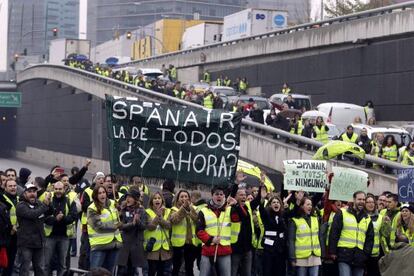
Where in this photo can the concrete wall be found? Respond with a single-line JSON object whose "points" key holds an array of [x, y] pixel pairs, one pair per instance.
{"points": [[271, 153]]}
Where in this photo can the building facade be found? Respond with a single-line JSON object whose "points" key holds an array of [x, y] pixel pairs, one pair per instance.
{"points": [[110, 18]]}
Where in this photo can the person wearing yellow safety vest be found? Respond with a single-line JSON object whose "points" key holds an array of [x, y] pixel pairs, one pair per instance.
{"points": [[242, 232], [206, 77], [103, 230], [136, 181], [208, 100], [157, 242], [86, 200], [389, 151], [376, 218], [376, 145], [243, 84], [404, 230], [173, 73], [9, 196], [134, 222], [183, 218], [59, 229], [178, 91], [219, 81], [349, 136], [296, 125], [389, 222], [320, 131], [351, 239], [214, 231], [408, 158], [304, 243], [273, 239], [286, 89], [227, 81], [111, 186]]}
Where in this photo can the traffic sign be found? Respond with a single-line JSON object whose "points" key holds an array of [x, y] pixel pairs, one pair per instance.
{"points": [[10, 99]]}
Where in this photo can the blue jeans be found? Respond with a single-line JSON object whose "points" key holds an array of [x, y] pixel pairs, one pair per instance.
{"points": [[55, 246], [241, 264], [104, 258], [307, 270], [347, 270], [223, 264]]}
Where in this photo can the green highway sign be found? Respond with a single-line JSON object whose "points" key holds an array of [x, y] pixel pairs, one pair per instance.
{"points": [[10, 99]]}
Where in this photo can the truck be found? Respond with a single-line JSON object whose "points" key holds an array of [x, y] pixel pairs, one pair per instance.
{"points": [[201, 34], [61, 48], [250, 22]]}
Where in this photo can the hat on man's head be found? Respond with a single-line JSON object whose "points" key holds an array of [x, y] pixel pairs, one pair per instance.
{"points": [[30, 186], [98, 175]]}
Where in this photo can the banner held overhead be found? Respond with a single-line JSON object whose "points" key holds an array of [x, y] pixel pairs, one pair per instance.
{"points": [[346, 182], [305, 175], [174, 142]]}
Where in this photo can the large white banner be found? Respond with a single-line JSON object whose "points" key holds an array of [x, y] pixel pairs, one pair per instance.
{"points": [[4, 18]]}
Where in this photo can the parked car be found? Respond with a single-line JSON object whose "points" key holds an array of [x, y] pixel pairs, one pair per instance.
{"points": [[199, 87], [223, 90], [300, 100], [343, 114], [402, 137], [410, 129]]}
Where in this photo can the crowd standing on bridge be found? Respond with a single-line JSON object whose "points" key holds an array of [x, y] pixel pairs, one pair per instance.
{"points": [[240, 230]]}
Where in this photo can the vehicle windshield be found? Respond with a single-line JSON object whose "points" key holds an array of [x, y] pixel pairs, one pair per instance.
{"points": [[262, 104]]}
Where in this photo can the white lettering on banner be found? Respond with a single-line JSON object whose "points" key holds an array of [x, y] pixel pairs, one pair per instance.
{"points": [[135, 109], [163, 131], [193, 142], [406, 185], [306, 175], [121, 156], [174, 120], [155, 115], [226, 117], [346, 182], [191, 118], [115, 109], [120, 133], [183, 134], [146, 155]]}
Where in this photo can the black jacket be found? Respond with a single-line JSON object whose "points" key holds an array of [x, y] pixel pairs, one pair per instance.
{"points": [[275, 230], [257, 116], [30, 218], [74, 179], [5, 225], [351, 256], [59, 205], [365, 143]]}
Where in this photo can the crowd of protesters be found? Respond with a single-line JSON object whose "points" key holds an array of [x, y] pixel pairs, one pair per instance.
{"points": [[240, 230], [380, 145]]}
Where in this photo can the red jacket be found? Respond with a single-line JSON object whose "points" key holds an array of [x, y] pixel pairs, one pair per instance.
{"points": [[208, 249]]}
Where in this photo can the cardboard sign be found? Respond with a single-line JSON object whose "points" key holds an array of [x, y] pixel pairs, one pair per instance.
{"points": [[305, 175], [406, 185], [346, 182]]}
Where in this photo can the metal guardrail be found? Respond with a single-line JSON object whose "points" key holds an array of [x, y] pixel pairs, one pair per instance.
{"points": [[302, 27], [156, 96]]}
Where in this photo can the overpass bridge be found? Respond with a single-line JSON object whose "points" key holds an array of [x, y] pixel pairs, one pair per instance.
{"points": [[62, 121], [349, 57]]}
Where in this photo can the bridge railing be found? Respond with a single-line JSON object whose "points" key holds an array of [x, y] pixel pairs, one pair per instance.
{"points": [[247, 124], [297, 28]]}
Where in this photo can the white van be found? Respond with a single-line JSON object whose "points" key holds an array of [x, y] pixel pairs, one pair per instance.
{"points": [[343, 114], [300, 100], [401, 136]]}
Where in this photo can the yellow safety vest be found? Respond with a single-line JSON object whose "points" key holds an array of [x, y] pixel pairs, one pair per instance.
{"points": [[218, 225], [321, 134], [376, 225], [13, 217], [198, 209], [286, 90], [353, 233], [160, 235], [257, 241], [227, 82], [179, 232], [236, 226], [330, 220], [84, 219], [108, 216], [390, 153], [242, 86], [300, 128], [346, 139], [407, 159], [208, 102], [69, 228], [206, 77], [173, 73], [307, 238]]}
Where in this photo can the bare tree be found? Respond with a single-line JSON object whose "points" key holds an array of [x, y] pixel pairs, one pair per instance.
{"points": [[334, 8]]}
